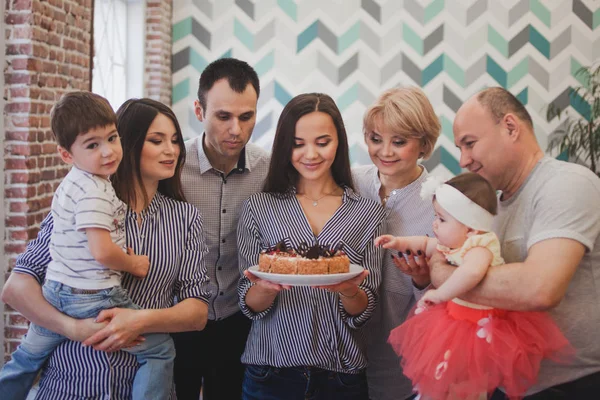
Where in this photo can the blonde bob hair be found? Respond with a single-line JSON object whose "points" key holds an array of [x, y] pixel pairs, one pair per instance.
{"points": [[407, 112]]}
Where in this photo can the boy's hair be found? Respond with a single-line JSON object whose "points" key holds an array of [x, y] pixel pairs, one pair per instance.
{"points": [[408, 112], [477, 189], [78, 112], [238, 74]]}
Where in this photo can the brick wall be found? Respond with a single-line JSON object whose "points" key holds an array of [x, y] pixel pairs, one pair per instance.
{"points": [[47, 54], [157, 63]]}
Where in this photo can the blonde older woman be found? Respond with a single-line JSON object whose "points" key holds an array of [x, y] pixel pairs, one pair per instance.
{"points": [[400, 129]]}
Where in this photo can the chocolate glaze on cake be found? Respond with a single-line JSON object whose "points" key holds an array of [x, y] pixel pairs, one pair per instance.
{"points": [[304, 260]]}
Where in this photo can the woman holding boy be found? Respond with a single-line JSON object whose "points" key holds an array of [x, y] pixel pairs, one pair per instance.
{"points": [[158, 224]]}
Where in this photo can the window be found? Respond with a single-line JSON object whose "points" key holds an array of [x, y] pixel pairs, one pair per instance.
{"points": [[118, 63]]}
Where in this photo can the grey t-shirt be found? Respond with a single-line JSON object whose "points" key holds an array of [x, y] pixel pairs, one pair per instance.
{"points": [[561, 200]]}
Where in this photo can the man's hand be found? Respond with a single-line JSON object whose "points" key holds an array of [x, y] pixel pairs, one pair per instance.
{"points": [[439, 269]]}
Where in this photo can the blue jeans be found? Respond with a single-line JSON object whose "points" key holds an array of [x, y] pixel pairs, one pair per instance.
{"points": [[263, 382], [155, 355]]}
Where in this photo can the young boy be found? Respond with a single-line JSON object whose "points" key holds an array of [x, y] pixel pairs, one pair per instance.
{"points": [[88, 249]]}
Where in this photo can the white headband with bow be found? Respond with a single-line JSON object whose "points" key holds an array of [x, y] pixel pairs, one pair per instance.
{"points": [[457, 204]]}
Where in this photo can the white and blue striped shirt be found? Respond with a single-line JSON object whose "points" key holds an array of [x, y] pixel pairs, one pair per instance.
{"points": [[81, 201], [306, 326], [172, 237], [407, 215]]}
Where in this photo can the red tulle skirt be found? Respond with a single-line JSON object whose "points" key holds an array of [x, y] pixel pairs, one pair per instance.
{"points": [[450, 351]]}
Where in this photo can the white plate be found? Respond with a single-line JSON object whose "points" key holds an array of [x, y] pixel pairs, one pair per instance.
{"points": [[307, 280]]}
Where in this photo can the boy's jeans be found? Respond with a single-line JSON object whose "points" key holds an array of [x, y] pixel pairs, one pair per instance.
{"points": [[155, 355]]}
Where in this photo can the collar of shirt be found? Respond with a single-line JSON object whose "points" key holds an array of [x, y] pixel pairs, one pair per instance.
{"points": [[373, 174], [367, 180], [246, 161], [348, 193], [155, 205], [77, 172]]}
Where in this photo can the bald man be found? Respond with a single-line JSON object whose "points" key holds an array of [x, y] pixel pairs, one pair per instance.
{"points": [[549, 227]]}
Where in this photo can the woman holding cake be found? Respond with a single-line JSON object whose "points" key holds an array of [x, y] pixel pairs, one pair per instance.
{"points": [[400, 129], [306, 341]]}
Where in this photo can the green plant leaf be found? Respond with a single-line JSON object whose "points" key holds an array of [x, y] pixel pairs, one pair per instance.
{"points": [[579, 135]]}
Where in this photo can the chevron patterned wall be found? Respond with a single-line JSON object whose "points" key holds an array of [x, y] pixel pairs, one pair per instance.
{"points": [[354, 49]]}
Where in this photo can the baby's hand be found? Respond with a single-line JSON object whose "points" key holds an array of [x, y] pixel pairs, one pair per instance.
{"points": [[386, 241], [430, 298], [139, 264]]}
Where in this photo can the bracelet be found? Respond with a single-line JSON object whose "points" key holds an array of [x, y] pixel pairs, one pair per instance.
{"points": [[351, 296]]}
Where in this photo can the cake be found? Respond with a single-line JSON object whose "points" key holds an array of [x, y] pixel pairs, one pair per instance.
{"points": [[315, 260]]}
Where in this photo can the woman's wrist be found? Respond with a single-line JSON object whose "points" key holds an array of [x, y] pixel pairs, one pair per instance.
{"points": [[144, 321], [350, 295], [421, 282], [259, 298], [264, 292], [78, 330], [70, 329]]}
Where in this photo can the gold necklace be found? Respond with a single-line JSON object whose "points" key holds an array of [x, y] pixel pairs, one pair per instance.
{"points": [[315, 202], [386, 197]]}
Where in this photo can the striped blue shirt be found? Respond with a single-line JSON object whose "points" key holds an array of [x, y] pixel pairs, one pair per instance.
{"points": [[407, 215], [172, 237], [306, 326]]}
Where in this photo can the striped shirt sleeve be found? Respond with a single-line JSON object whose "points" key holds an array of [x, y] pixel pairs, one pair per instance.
{"points": [[249, 248], [372, 257], [193, 279], [34, 261]]}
